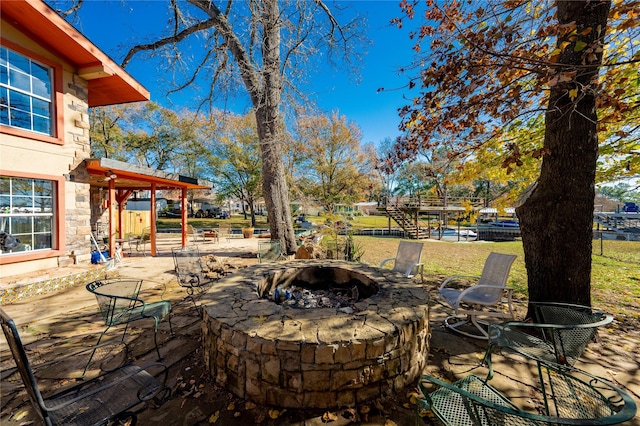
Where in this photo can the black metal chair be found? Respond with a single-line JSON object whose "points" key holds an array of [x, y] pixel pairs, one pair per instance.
{"points": [[100, 400], [119, 303], [190, 272], [559, 337]]}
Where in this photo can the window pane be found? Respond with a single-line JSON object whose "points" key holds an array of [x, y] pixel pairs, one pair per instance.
{"points": [[19, 100], [19, 80], [4, 115], [41, 107], [3, 56], [21, 225], [42, 188], [22, 203], [43, 241], [5, 184], [41, 81], [22, 187], [42, 224], [20, 119], [4, 75], [41, 124], [4, 96], [43, 204], [19, 62]]}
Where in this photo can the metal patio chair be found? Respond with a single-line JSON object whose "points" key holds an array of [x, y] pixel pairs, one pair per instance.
{"points": [[269, 251], [566, 397], [559, 336], [100, 400], [191, 274], [119, 303], [484, 299], [407, 260]]}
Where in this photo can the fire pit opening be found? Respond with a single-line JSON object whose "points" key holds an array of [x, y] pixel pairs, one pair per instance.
{"points": [[317, 287]]}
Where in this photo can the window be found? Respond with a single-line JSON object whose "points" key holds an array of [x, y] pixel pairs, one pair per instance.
{"points": [[25, 93], [27, 213]]}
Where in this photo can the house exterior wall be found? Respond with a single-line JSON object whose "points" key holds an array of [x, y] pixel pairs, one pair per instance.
{"points": [[58, 158]]}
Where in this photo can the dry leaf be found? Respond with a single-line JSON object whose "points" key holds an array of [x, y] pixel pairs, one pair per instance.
{"points": [[274, 414], [390, 422], [329, 417], [231, 407], [249, 405], [214, 417]]}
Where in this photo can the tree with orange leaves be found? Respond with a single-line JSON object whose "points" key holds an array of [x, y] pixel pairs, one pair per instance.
{"points": [[489, 68]]}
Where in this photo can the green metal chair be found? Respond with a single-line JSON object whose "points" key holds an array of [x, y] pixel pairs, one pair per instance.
{"points": [[101, 400], [566, 396], [269, 251], [559, 336], [119, 303]]}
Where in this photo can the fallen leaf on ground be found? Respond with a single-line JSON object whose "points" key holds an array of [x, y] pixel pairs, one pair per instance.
{"points": [[329, 417], [274, 414], [214, 417]]}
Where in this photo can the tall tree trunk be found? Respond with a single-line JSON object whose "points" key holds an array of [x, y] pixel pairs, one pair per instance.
{"points": [[557, 219], [274, 184]]}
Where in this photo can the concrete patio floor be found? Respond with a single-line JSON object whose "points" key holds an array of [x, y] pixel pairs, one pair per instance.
{"points": [[68, 320]]}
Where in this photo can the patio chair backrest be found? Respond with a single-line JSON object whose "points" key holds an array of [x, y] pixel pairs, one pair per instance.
{"points": [[582, 324], [116, 298], [408, 255], [269, 251], [22, 363], [494, 273], [188, 265]]}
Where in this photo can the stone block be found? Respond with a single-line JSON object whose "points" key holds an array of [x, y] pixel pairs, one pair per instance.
{"points": [[308, 354], [367, 393], [324, 354], [375, 348], [253, 346], [284, 398], [292, 380], [346, 379], [319, 399], [346, 399], [342, 354], [290, 361], [288, 346], [269, 348], [239, 340], [358, 350], [316, 380], [271, 370]]}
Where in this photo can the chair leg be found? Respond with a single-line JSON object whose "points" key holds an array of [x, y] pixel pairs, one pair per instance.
{"points": [[455, 326], [86, 367], [155, 336]]}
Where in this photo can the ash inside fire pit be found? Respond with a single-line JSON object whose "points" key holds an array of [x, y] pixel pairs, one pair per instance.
{"points": [[317, 287]]}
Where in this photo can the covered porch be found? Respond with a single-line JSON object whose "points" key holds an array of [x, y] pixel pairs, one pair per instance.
{"points": [[120, 180]]}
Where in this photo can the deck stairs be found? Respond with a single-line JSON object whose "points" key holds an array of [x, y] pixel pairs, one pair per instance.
{"points": [[620, 223], [413, 231]]}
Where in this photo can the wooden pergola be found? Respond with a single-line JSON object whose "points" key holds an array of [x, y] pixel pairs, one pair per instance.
{"points": [[121, 179]]}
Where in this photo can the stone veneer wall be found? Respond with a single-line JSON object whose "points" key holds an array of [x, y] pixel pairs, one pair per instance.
{"points": [[315, 358], [78, 208]]}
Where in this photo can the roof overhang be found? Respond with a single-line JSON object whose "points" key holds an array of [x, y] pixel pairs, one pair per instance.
{"points": [[135, 178], [109, 84]]}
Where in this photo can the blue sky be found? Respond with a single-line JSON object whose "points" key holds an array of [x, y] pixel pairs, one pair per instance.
{"points": [[114, 26]]}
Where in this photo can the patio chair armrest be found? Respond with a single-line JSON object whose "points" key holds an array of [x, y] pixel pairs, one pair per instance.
{"points": [[385, 261], [456, 277], [480, 287]]}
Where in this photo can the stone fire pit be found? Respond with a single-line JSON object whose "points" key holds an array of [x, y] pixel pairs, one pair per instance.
{"points": [[285, 355]]}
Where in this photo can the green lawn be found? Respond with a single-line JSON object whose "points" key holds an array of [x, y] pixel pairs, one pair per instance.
{"points": [[615, 276]]}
